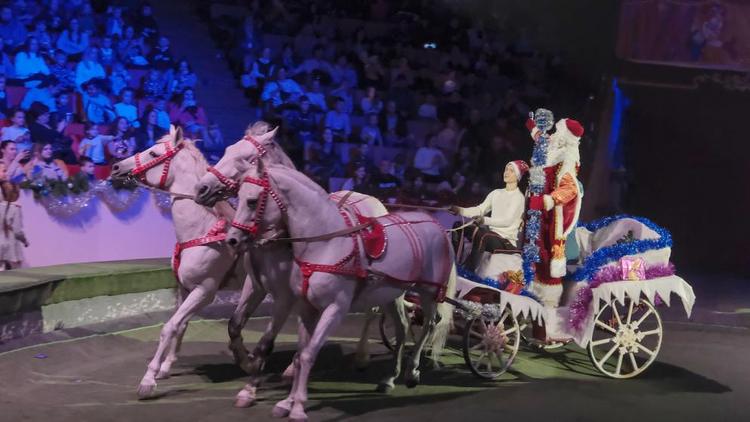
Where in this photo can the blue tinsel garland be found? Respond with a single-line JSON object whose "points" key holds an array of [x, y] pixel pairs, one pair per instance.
{"points": [[471, 275], [612, 253], [533, 220]]}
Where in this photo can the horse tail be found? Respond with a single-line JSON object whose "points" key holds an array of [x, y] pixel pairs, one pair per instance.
{"points": [[445, 313]]}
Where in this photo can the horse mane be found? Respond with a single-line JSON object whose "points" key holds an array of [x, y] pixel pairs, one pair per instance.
{"points": [[189, 146], [299, 177], [262, 127]]}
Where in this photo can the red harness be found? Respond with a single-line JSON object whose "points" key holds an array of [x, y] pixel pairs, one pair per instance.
{"points": [[217, 233], [141, 168], [231, 185], [265, 183]]}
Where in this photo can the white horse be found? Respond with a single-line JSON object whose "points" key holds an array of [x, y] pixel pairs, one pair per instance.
{"points": [[338, 269], [222, 181], [205, 264]]}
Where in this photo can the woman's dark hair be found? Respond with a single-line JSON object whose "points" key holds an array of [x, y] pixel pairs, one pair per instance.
{"points": [[37, 109], [144, 117], [114, 128], [27, 44], [5, 144]]}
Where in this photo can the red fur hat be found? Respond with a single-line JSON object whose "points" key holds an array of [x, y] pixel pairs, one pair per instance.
{"points": [[574, 127], [520, 168]]}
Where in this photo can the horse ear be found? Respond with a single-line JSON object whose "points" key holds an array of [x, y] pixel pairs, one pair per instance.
{"points": [[178, 135]]}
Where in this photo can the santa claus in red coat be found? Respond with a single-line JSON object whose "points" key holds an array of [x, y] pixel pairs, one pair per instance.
{"points": [[554, 202]]}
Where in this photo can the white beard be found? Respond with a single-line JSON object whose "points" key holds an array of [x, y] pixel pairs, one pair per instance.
{"points": [[562, 150]]}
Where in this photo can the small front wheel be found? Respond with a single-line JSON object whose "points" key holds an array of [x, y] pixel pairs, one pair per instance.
{"points": [[490, 346]]}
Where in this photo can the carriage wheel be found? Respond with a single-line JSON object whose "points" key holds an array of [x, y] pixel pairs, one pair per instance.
{"points": [[626, 338], [388, 331], [490, 346]]}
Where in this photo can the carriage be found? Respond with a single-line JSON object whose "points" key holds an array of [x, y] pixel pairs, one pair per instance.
{"points": [[618, 275]]}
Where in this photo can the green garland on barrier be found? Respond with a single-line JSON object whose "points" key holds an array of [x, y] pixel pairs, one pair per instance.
{"points": [[67, 198]]}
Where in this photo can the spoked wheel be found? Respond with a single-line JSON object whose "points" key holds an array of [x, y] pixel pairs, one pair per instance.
{"points": [[491, 345], [626, 338], [388, 329]]}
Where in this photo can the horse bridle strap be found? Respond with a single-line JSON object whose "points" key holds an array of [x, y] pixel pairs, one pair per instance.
{"points": [[265, 183], [231, 185], [166, 158]]}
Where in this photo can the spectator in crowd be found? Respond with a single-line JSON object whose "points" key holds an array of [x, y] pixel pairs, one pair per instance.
{"points": [[428, 109], [73, 41], [86, 18], [162, 115], [161, 56], [384, 182], [43, 132], [315, 66], [115, 25], [212, 145], [430, 161], [126, 107], [339, 122], [145, 23], [44, 166], [448, 137], [149, 131], [135, 58], [30, 65], [184, 77], [93, 145], [259, 71], [154, 85], [42, 36], [359, 182], [126, 42], [303, 122], [12, 237], [44, 93], [97, 106], [12, 31], [499, 153], [119, 78], [287, 57], [403, 70], [281, 92], [323, 162], [3, 98], [89, 68], [316, 97], [373, 72], [370, 132], [371, 102], [343, 92], [61, 71], [88, 170], [7, 67], [107, 55], [122, 144], [14, 160], [392, 124], [63, 108], [189, 114], [343, 71], [17, 131]]}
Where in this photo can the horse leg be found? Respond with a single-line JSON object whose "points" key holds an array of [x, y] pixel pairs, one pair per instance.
{"points": [[362, 357], [246, 397], [304, 331], [251, 297], [398, 314], [329, 319], [196, 300], [176, 343], [429, 310]]}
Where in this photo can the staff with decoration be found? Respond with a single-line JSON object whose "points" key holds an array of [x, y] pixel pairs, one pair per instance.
{"points": [[554, 203]]}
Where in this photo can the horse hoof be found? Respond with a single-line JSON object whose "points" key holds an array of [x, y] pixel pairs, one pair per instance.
{"points": [[384, 388], [146, 391], [279, 412], [243, 402], [162, 375]]}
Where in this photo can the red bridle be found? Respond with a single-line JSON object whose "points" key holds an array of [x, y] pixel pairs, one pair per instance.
{"points": [[231, 185], [141, 168], [265, 183]]}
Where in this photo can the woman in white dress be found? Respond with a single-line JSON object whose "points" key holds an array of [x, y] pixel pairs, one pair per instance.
{"points": [[12, 237]]}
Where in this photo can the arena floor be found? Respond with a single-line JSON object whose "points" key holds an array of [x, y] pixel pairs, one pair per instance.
{"points": [[701, 373]]}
